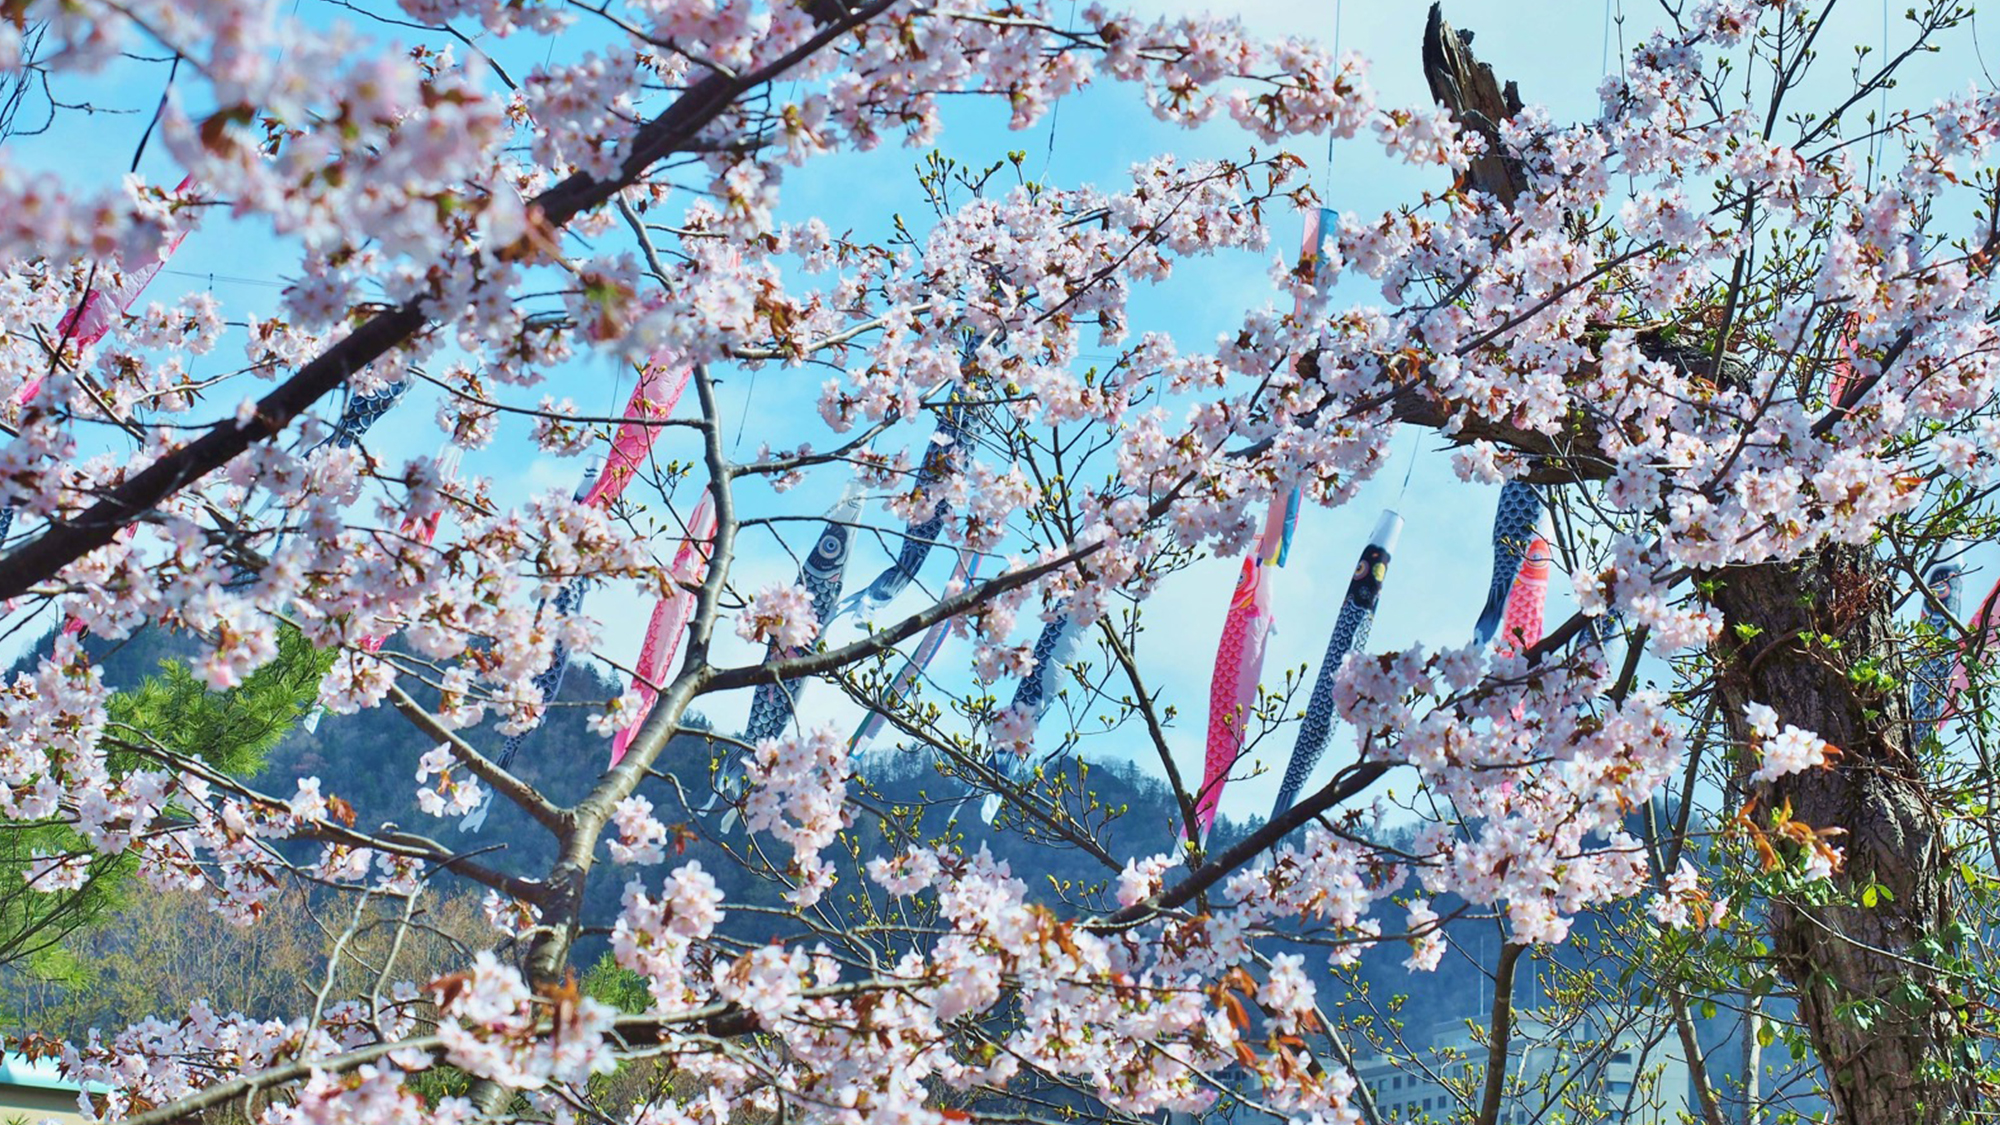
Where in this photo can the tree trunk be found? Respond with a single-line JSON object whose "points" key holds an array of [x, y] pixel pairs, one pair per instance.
{"points": [[1867, 990], [1864, 977]]}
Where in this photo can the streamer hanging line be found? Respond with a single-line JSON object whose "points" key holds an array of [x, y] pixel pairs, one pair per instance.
{"points": [[920, 659], [1350, 629], [670, 618], [1239, 656], [1931, 687], [1515, 523], [1055, 650], [1521, 625], [362, 412]]}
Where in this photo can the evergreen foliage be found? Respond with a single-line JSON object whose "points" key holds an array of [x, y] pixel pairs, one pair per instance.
{"points": [[170, 710]]}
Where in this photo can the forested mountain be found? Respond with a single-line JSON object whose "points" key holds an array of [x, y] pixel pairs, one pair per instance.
{"points": [[117, 975], [369, 760]]}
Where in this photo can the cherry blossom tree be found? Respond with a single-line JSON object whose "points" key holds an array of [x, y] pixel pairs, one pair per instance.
{"points": [[1749, 364]]}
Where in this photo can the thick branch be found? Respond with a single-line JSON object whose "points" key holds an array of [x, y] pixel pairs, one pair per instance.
{"points": [[485, 769], [1467, 87], [1349, 782], [1501, 1031], [66, 541], [1571, 456]]}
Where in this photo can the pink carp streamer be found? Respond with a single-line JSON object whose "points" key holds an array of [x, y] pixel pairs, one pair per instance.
{"points": [[87, 323], [670, 618], [1239, 661], [1521, 625], [920, 658], [653, 401], [423, 529], [1843, 365], [1981, 636]]}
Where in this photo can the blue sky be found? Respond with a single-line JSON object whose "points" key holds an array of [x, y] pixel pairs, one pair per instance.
{"points": [[1558, 52]]}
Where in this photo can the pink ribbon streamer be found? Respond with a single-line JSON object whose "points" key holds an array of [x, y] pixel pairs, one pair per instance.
{"points": [[670, 619], [653, 400]]}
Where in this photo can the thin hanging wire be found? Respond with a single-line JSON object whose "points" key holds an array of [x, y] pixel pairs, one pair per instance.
{"points": [[1604, 61], [1623, 57], [749, 396], [1326, 172], [1978, 52], [1055, 115], [617, 391], [1882, 110]]}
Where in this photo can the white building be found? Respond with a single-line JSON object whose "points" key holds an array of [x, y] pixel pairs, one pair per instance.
{"points": [[32, 1090], [1630, 1072]]}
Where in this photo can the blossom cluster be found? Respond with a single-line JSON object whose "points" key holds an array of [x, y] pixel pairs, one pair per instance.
{"points": [[1581, 316]]}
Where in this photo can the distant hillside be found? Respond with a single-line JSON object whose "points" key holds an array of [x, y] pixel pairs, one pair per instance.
{"points": [[370, 759]]}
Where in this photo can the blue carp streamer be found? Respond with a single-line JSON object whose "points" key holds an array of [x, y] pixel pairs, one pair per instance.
{"points": [[822, 574], [944, 456], [1350, 629], [1054, 650], [1514, 526], [364, 411], [1931, 687]]}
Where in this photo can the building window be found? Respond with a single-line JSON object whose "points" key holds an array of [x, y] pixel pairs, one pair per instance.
{"points": [[1622, 1058]]}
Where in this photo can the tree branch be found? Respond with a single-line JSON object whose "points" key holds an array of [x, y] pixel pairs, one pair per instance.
{"points": [[66, 541]]}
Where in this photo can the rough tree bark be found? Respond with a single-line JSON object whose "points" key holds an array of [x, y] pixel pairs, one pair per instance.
{"points": [[1869, 992]]}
